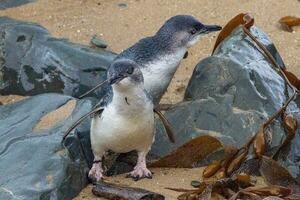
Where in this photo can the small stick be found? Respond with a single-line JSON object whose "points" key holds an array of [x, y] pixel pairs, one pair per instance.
{"points": [[113, 191]]}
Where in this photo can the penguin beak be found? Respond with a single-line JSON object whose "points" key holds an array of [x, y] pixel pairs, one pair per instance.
{"points": [[116, 79], [210, 28]]}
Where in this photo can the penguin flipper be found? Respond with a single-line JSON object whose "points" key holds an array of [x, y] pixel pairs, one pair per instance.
{"points": [[167, 125], [186, 55], [98, 110], [93, 89]]}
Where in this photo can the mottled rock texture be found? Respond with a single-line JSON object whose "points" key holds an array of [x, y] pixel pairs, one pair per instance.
{"points": [[33, 62]]}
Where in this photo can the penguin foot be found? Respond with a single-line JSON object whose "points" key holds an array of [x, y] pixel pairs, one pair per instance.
{"points": [[139, 173], [96, 173]]}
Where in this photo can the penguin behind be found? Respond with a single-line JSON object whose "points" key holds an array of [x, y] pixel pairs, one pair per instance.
{"points": [[126, 122], [159, 56]]}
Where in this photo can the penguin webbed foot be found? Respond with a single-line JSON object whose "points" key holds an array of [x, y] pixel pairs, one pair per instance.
{"points": [[96, 173], [139, 173]]}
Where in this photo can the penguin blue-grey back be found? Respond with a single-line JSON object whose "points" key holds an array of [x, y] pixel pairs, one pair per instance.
{"points": [[159, 56]]}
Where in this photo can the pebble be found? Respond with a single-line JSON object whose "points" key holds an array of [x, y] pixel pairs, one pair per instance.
{"points": [[98, 42], [122, 5], [195, 184]]}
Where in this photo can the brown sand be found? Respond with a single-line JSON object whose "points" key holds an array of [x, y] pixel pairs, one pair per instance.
{"points": [[49, 120], [10, 99], [162, 178], [79, 20], [121, 27], [56, 116]]}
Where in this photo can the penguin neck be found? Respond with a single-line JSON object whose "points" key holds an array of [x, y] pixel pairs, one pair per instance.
{"points": [[133, 96], [165, 44], [158, 73], [168, 63], [168, 53]]}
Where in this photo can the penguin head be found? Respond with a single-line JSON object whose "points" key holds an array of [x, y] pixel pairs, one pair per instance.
{"points": [[124, 74], [184, 31]]}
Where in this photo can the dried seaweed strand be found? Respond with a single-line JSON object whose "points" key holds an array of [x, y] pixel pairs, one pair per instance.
{"points": [[245, 149], [269, 56], [272, 60]]}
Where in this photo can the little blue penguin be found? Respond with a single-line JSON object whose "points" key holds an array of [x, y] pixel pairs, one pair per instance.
{"points": [[159, 56], [126, 121]]}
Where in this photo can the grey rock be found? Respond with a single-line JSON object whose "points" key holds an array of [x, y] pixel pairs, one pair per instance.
{"points": [[13, 3], [211, 116], [230, 94], [33, 163], [120, 163], [98, 42], [122, 5], [195, 184], [33, 62]]}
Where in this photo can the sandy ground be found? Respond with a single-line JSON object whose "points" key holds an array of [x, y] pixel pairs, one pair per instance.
{"points": [[4, 100], [162, 178], [123, 25], [56, 116]]}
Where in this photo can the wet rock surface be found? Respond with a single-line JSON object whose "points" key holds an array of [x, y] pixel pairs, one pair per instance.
{"points": [[33, 62], [229, 96], [13, 3], [34, 164]]}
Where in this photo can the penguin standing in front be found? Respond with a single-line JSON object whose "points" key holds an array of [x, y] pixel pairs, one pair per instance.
{"points": [[125, 121]]}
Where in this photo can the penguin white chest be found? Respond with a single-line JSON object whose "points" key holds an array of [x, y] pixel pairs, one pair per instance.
{"points": [[158, 74], [124, 126]]}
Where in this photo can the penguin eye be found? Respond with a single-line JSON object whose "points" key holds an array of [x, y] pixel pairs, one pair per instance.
{"points": [[193, 31], [130, 70]]}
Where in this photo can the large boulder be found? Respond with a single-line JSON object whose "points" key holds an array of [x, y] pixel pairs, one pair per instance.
{"points": [[13, 3], [230, 94], [33, 162], [33, 62]]}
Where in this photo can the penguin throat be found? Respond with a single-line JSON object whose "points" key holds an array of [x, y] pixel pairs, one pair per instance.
{"points": [[126, 100], [158, 74], [132, 96]]}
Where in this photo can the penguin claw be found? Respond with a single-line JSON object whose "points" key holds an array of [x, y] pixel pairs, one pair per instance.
{"points": [[96, 173], [137, 178], [93, 180], [139, 173]]}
